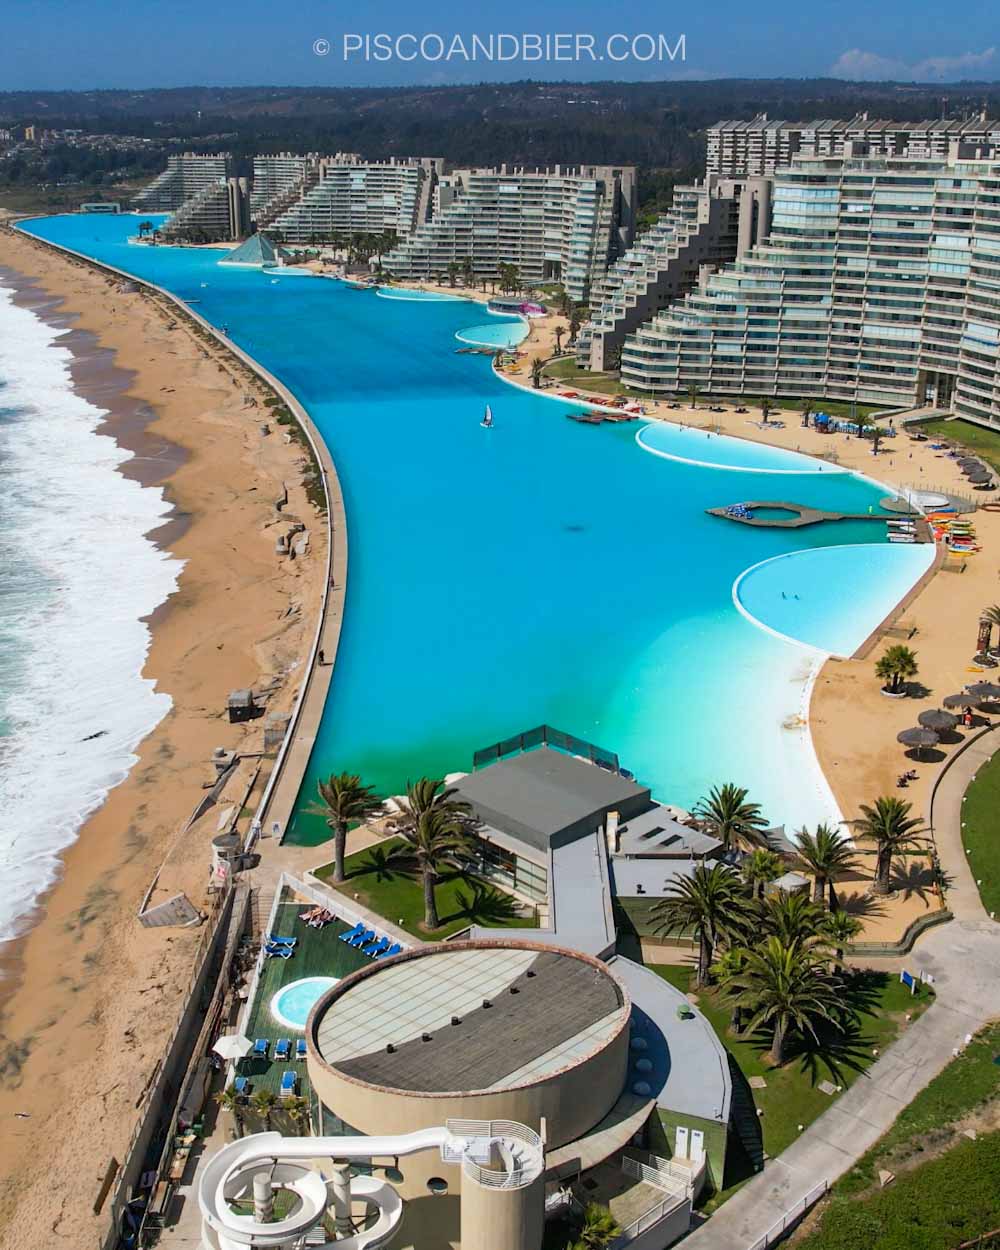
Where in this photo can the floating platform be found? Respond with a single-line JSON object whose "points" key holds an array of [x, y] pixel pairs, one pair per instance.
{"points": [[799, 515]]}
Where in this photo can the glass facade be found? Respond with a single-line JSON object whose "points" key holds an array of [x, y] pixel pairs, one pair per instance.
{"points": [[879, 282]]}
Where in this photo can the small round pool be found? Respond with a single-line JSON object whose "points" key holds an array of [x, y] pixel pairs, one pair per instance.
{"points": [[293, 1002]]}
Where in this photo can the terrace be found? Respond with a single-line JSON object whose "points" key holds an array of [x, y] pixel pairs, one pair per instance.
{"points": [[318, 953]]}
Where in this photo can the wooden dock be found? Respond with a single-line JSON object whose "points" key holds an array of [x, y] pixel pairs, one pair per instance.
{"points": [[800, 515]]}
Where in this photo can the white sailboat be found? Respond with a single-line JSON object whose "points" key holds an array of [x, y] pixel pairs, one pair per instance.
{"points": [[487, 421]]}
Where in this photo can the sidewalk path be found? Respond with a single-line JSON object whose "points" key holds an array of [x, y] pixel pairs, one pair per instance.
{"points": [[963, 958]]}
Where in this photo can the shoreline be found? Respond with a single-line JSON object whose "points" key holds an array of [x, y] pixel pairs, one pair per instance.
{"points": [[88, 978]]}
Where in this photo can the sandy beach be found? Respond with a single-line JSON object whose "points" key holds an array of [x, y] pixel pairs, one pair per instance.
{"points": [[854, 726], [88, 995]]}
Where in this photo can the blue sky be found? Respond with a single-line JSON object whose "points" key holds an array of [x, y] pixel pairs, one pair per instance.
{"points": [[99, 43]]}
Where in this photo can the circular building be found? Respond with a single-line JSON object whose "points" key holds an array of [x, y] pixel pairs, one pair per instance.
{"points": [[469, 1031]]}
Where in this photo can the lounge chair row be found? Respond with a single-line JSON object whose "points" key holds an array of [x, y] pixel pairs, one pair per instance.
{"points": [[282, 1049], [289, 1084], [366, 941]]}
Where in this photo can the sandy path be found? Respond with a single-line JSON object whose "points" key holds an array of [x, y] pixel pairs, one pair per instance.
{"points": [[94, 994]]}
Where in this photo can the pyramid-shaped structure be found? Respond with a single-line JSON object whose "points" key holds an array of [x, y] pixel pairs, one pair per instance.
{"points": [[257, 250]]}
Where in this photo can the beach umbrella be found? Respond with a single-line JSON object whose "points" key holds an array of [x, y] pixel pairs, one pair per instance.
{"points": [[919, 738], [959, 700], [232, 1046], [937, 720], [984, 690]]}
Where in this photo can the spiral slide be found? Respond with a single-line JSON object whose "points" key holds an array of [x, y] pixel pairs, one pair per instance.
{"points": [[249, 1171]]}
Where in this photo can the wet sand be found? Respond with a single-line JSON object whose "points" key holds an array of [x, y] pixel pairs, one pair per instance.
{"points": [[88, 995]]}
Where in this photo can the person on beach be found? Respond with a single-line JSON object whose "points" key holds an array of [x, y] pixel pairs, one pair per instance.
{"points": [[322, 656]]}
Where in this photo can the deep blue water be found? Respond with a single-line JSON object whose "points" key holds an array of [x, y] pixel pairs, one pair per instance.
{"points": [[541, 571]]}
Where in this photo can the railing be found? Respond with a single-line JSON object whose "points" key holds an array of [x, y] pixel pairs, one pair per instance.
{"points": [[646, 1221], [545, 735], [663, 1175], [521, 1171], [905, 943], [791, 1216]]}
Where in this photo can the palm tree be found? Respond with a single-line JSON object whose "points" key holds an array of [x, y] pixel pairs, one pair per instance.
{"points": [[598, 1230], [559, 331], [234, 1103], [840, 929], [889, 825], [536, 372], [297, 1109], [344, 799], [453, 271], [765, 409], [468, 271], [784, 988], [991, 614], [792, 918], [263, 1103], [728, 816], [145, 227], [729, 965], [827, 854], [806, 411], [711, 901], [868, 425], [897, 664], [759, 869], [435, 828], [575, 323], [693, 393]]}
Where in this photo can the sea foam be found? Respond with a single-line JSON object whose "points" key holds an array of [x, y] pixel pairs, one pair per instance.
{"points": [[77, 574]]}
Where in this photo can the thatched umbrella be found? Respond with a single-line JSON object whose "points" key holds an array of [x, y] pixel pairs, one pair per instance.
{"points": [[959, 700], [937, 720], [984, 690], [919, 738]]}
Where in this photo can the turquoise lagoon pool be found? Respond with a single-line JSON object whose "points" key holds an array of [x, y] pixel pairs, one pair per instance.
{"points": [[541, 571], [413, 294], [714, 451], [504, 333]]}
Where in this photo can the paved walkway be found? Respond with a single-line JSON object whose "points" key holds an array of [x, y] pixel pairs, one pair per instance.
{"points": [[963, 958]]}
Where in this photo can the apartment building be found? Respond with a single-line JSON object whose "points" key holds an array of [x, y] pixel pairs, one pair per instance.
{"points": [[763, 145], [186, 175], [561, 224], [309, 199], [709, 223], [880, 282]]}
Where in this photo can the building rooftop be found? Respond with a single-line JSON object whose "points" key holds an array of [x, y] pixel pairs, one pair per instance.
{"points": [[542, 794], [469, 1017]]}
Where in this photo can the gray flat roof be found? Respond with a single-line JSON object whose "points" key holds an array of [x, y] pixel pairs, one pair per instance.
{"points": [[471, 1018], [539, 793], [657, 833], [690, 1066]]}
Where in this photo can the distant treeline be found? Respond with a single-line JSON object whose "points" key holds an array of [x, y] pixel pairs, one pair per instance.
{"points": [[658, 126]]}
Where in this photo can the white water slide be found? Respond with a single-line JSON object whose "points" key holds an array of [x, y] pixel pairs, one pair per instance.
{"points": [[249, 1171]]}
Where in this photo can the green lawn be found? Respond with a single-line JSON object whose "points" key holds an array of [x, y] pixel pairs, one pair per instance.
{"points": [[967, 1083], [937, 1206], [981, 832], [568, 371], [319, 952], [792, 1096], [985, 443], [398, 896]]}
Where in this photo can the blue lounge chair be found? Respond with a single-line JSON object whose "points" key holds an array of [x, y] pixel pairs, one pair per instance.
{"points": [[274, 940], [351, 934], [278, 952], [242, 1085], [289, 1082], [363, 938], [260, 1048], [374, 949], [282, 1049], [394, 949], [300, 1048]]}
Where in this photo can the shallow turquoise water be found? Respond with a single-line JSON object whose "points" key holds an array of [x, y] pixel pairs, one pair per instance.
{"points": [[690, 446], [293, 1004], [542, 571], [411, 293], [497, 334]]}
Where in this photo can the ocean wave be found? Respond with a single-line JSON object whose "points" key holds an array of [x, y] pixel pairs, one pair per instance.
{"points": [[77, 575]]}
